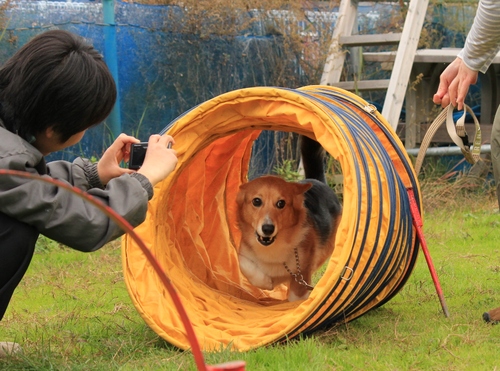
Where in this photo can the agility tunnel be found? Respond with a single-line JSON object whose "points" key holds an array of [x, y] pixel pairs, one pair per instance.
{"points": [[191, 225]]}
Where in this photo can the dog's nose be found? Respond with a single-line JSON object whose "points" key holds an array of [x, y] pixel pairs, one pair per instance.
{"points": [[267, 229]]}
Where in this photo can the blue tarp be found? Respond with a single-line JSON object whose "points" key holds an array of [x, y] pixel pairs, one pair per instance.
{"points": [[163, 70]]}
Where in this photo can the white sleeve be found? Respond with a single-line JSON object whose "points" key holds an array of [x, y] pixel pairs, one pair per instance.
{"points": [[483, 39]]}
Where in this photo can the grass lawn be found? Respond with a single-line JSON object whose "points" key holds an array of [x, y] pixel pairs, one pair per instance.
{"points": [[72, 310]]}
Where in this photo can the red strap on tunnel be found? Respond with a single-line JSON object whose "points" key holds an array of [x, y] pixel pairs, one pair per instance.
{"points": [[418, 224]]}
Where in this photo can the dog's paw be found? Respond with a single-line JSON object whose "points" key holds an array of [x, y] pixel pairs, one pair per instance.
{"points": [[261, 280], [254, 275], [298, 292], [267, 283]]}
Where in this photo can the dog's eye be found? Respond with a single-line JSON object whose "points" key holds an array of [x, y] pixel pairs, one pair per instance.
{"points": [[280, 204], [257, 202]]}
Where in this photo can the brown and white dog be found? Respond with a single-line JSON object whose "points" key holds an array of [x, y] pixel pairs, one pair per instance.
{"points": [[288, 229]]}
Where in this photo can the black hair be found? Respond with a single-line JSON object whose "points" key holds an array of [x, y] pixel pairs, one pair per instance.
{"points": [[55, 80]]}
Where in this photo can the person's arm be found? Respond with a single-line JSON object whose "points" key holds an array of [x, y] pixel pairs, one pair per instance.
{"points": [[481, 46], [483, 39], [67, 218], [61, 215]]}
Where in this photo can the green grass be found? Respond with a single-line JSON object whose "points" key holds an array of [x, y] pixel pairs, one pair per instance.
{"points": [[72, 312]]}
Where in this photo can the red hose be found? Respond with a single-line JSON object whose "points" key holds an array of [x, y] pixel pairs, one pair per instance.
{"points": [[127, 227]]}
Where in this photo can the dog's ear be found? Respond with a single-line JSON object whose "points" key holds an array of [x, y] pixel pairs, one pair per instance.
{"points": [[240, 197], [302, 187]]}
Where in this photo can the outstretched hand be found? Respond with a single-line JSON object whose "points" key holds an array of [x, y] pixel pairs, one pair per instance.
{"points": [[454, 84]]}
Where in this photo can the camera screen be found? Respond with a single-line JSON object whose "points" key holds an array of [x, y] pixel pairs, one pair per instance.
{"points": [[137, 154]]}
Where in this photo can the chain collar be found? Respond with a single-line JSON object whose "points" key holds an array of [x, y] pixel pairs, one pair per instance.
{"points": [[299, 278]]}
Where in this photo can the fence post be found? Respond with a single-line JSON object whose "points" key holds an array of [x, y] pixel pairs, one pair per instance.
{"points": [[114, 119]]}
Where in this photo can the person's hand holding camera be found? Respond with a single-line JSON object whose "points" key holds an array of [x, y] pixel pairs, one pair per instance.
{"points": [[160, 159], [108, 166]]}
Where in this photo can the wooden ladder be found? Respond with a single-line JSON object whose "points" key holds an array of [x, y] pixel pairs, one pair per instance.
{"points": [[407, 42]]}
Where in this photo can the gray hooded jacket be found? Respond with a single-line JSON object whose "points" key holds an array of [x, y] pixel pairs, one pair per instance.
{"points": [[58, 213]]}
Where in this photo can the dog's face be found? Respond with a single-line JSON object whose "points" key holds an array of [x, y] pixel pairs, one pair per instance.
{"points": [[269, 207]]}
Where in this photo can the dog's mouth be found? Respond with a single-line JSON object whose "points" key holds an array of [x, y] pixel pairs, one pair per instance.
{"points": [[266, 241]]}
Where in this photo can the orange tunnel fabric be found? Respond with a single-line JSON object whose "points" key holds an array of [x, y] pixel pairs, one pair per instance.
{"points": [[191, 229]]}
